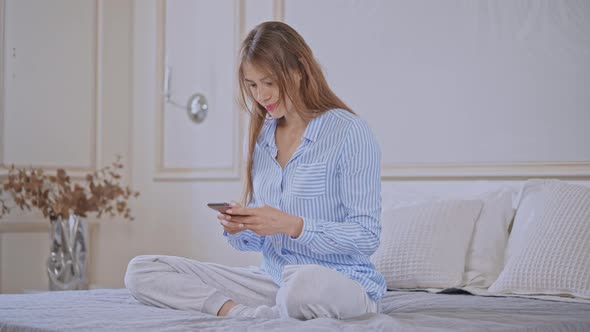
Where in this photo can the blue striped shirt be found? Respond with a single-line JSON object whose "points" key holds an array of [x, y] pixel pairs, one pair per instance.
{"points": [[333, 182]]}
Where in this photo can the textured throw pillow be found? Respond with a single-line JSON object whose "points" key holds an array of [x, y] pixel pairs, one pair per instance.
{"points": [[424, 246], [549, 248], [485, 256]]}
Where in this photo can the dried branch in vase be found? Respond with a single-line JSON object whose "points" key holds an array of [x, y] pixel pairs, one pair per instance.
{"points": [[57, 195]]}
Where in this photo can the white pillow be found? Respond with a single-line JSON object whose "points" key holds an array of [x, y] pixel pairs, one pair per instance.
{"points": [[424, 246], [485, 256], [549, 248]]}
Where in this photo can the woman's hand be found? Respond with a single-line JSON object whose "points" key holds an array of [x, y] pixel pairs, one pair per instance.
{"points": [[229, 226], [263, 220]]}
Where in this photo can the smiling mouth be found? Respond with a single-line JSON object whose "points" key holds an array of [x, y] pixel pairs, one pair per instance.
{"points": [[271, 107]]}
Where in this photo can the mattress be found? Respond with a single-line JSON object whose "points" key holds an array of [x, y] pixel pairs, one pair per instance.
{"points": [[117, 310]]}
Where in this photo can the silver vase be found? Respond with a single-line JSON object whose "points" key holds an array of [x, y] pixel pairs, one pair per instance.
{"points": [[66, 265]]}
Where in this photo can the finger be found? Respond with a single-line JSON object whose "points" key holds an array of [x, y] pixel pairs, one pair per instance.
{"points": [[232, 225], [232, 231], [246, 220], [228, 217], [224, 217], [235, 204], [241, 211]]}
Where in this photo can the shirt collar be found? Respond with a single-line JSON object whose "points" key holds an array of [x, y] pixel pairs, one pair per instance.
{"points": [[314, 127]]}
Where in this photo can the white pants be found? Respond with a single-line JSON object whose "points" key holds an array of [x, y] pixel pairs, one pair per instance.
{"points": [[308, 291]]}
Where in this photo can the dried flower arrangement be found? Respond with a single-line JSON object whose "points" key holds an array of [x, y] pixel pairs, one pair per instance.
{"points": [[58, 196]]}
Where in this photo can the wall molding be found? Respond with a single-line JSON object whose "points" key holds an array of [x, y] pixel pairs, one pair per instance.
{"points": [[24, 227], [163, 173], [2, 33], [2, 29], [471, 171], [37, 227], [476, 171], [131, 114], [76, 172], [278, 10]]}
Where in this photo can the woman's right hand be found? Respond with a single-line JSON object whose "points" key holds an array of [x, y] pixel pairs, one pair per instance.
{"points": [[229, 226]]}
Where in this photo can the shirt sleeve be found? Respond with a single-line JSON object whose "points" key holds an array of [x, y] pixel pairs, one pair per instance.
{"points": [[360, 180], [245, 241]]}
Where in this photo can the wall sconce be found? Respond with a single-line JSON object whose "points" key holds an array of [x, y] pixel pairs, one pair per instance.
{"points": [[196, 107]]}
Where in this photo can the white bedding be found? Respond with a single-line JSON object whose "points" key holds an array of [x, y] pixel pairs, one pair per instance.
{"points": [[116, 310]]}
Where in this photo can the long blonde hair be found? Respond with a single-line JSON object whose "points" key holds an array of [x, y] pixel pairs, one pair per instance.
{"points": [[277, 49]]}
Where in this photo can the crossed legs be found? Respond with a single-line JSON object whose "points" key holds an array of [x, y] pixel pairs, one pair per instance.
{"points": [[308, 291]]}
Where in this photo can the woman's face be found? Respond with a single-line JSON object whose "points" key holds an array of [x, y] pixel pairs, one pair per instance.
{"points": [[265, 91]]}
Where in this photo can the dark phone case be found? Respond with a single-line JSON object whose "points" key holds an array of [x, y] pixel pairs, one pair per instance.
{"points": [[220, 207]]}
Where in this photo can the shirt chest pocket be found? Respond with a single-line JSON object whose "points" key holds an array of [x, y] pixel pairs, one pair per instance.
{"points": [[309, 180]]}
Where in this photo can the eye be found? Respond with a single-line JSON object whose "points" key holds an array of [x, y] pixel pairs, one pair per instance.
{"points": [[268, 83], [252, 85]]}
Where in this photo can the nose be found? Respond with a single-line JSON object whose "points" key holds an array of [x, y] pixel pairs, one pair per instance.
{"points": [[263, 95]]}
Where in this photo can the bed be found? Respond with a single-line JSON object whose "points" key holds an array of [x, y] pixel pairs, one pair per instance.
{"points": [[526, 257], [117, 310]]}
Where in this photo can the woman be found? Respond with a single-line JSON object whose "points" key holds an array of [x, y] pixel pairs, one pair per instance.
{"points": [[313, 194]]}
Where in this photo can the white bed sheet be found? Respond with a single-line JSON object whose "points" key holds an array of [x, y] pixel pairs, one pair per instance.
{"points": [[117, 310]]}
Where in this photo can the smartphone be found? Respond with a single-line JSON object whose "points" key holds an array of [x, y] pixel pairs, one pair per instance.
{"points": [[220, 207]]}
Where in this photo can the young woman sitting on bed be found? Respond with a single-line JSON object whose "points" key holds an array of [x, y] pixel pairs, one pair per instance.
{"points": [[314, 201]]}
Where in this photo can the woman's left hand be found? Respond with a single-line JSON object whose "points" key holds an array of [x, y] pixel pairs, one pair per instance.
{"points": [[266, 220]]}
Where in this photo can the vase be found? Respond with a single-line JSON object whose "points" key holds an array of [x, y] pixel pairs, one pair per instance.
{"points": [[66, 265]]}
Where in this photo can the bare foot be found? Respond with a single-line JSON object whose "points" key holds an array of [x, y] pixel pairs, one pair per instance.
{"points": [[225, 308]]}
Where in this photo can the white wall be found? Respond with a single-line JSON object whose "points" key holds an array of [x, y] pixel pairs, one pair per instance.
{"points": [[464, 96], [67, 103], [460, 84]]}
